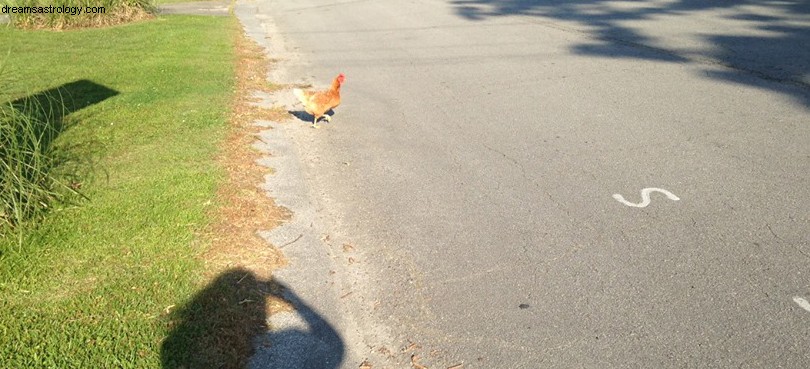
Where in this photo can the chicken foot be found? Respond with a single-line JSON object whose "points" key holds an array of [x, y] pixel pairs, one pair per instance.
{"points": [[325, 117]]}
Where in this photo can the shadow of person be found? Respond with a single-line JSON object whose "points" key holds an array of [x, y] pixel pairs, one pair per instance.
{"points": [[299, 339], [221, 326]]}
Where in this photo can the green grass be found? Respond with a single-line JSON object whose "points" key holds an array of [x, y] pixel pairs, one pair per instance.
{"points": [[27, 181], [89, 286]]}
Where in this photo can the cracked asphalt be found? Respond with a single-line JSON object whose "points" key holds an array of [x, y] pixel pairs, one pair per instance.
{"points": [[473, 164]]}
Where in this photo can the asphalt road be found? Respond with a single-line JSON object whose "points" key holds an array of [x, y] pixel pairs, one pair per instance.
{"points": [[473, 165]]}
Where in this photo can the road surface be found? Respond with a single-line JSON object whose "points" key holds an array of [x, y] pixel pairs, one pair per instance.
{"points": [[488, 165]]}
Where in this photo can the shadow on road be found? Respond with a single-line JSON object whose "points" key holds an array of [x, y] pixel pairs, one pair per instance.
{"points": [[306, 117], [770, 45], [222, 324]]}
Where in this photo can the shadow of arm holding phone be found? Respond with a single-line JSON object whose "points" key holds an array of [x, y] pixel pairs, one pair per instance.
{"points": [[226, 326]]}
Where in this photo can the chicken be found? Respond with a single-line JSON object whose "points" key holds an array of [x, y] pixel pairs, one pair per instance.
{"points": [[317, 103]]}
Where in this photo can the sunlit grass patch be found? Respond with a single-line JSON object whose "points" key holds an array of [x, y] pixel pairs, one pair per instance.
{"points": [[92, 284]]}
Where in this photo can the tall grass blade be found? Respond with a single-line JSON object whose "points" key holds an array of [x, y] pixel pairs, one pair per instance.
{"points": [[28, 185]]}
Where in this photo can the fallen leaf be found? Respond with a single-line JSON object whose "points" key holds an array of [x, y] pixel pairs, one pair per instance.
{"points": [[385, 351], [415, 362], [411, 345]]}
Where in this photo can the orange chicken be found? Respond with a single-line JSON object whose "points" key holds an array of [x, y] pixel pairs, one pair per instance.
{"points": [[318, 103]]}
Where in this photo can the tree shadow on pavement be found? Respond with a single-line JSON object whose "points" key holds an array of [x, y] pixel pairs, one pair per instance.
{"points": [[221, 326], [767, 42]]}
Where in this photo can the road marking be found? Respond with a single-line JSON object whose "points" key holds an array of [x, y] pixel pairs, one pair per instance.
{"points": [[645, 196], [802, 302]]}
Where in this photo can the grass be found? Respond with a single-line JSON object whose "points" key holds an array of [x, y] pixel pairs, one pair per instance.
{"points": [[27, 181], [94, 13], [217, 327], [95, 283]]}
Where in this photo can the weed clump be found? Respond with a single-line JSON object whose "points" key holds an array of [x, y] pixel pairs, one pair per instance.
{"points": [[65, 14], [29, 183]]}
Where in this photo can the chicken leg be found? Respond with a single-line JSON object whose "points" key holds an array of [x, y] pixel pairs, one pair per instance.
{"points": [[326, 117]]}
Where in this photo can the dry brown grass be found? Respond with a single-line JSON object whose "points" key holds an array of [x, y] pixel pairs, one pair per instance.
{"points": [[244, 207], [219, 325], [120, 14]]}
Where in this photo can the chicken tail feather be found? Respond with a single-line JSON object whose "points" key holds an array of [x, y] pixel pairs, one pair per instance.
{"points": [[299, 93]]}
